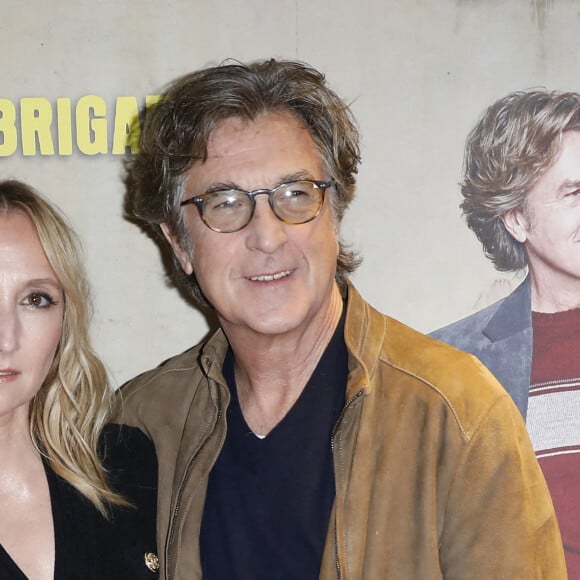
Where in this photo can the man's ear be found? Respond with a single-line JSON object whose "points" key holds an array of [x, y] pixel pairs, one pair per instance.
{"points": [[180, 253], [516, 224]]}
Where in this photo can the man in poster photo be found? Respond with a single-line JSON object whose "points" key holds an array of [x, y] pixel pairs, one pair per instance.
{"points": [[311, 436], [521, 189]]}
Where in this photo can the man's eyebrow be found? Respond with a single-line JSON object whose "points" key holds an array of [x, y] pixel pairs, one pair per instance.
{"points": [[287, 178], [221, 186], [299, 175], [568, 184]]}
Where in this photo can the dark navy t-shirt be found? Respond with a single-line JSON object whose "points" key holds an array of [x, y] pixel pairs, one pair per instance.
{"points": [[269, 500]]}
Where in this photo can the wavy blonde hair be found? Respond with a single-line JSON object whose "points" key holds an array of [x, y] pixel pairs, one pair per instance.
{"points": [[70, 409]]}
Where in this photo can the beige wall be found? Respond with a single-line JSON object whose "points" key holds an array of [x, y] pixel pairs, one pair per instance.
{"points": [[418, 73]]}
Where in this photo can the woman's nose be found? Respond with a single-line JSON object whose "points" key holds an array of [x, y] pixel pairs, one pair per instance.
{"points": [[9, 329]]}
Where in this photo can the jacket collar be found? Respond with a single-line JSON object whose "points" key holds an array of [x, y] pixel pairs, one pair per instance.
{"points": [[362, 322], [509, 354], [513, 316], [213, 354]]}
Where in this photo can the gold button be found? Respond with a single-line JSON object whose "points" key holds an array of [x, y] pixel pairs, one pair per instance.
{"points": [[151, 561]]}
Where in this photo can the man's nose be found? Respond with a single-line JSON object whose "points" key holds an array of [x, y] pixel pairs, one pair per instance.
{"points": [[265, 232]]}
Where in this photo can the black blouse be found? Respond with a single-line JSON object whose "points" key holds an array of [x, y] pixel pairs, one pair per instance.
{"points": [[90, 547]]}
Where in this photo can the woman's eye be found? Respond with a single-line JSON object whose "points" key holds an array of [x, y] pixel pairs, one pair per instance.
{"points": [[38, 300]]}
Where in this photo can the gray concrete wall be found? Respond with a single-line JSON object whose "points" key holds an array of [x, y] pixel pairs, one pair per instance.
{"points": [[418, 74]]}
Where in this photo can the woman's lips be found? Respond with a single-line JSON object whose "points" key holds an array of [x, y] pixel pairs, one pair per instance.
{"points": [[7, 375]]}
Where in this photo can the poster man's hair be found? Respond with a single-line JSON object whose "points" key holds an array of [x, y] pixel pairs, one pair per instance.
{"points": [[513, 144]]}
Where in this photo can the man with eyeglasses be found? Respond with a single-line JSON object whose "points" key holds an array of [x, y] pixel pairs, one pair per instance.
{"points": [[310, 436]]}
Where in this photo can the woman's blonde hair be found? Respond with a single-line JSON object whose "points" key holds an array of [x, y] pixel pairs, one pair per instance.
{"points": [[70, 409]]}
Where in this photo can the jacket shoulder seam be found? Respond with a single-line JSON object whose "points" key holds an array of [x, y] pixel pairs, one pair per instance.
{"points": [[138, 384], [477, 421]]}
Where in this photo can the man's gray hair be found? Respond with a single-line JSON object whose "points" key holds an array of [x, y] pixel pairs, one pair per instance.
{"points": [[177, 130]]}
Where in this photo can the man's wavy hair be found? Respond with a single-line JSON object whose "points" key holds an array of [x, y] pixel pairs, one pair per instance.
{"points": [[177, 130], [514, 143], [71, 407]]}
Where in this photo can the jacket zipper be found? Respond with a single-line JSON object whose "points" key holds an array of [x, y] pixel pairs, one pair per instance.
{"points": [[176, 510], [342, 413], [190, 465]]}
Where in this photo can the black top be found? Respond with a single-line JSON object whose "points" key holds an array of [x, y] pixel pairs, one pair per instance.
{"points": [[269, 500], [89, 547]]}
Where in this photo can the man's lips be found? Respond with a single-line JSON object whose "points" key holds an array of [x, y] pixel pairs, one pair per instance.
{"points": [[270, 277]]}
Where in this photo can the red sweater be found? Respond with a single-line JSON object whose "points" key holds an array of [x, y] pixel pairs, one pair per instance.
{"points": [[553, 419]]}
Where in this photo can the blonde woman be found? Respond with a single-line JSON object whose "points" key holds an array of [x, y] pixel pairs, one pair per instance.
{"points": [[77, 495]]}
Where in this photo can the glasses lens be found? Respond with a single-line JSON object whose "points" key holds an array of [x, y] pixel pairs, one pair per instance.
{"points": [[226, 211], [297, 202]]}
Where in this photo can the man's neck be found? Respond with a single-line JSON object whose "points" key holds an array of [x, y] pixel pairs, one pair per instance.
{"points": [[552, 294], [272, 371]]}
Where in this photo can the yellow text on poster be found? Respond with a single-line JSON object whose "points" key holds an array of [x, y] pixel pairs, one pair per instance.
{"points": [[37, 126]]}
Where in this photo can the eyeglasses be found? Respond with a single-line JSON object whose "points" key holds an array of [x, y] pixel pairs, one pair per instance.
{"points": [[231, 210]]}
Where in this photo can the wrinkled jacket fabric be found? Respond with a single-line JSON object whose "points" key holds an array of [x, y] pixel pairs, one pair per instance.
{"points": [[435, 474], [501, 337]]}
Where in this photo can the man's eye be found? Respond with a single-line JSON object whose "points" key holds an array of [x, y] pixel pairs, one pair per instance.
{"points": [[571, 192], [297, 193], [224, 203]]}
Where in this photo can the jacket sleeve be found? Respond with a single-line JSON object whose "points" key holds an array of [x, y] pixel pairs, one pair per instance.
{"points": [[499, 520]]}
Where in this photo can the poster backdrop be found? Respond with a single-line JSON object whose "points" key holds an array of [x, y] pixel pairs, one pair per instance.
{"points": [[417, 72]]}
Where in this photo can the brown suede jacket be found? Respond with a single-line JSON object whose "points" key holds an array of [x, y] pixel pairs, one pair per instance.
{"points": [[435, 474]]}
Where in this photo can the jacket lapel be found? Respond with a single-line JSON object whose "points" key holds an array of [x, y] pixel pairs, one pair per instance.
{"points": [[509, 353]]}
